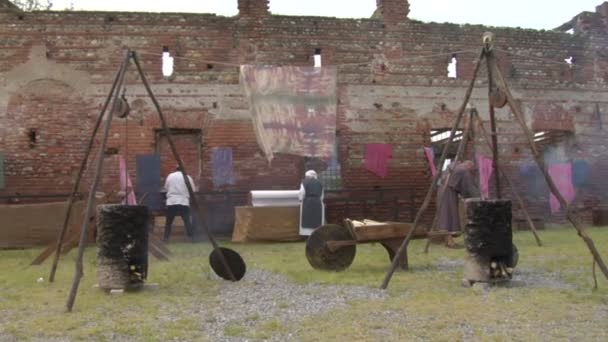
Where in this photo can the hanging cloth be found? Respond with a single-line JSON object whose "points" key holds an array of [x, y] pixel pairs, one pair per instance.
{"points": [[377, 157], [486, 168], [430, 157], [562, 177], [125, 183]]}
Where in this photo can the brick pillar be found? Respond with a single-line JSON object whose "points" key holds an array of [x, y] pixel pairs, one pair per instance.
{"points": [[253, 9], [602, 9], [392, 11]]}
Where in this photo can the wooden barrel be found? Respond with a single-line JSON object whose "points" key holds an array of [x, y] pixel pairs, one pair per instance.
{"points": [[122, 246]]}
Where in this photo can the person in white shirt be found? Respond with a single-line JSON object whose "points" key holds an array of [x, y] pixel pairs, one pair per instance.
{"points": [[178, 202]]}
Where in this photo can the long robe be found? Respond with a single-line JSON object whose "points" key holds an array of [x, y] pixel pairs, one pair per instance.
{"points": [[312, 210], [461, 183]]}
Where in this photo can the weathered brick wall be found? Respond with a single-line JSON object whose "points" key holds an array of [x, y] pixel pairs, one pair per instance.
{"points": [[56, 69]]}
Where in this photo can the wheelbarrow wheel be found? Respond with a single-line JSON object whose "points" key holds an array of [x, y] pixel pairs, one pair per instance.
{"points": [[321, 257]]}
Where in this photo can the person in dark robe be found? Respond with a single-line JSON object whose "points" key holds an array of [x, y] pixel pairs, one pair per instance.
{"points": [[312, 209], [459, 183]]}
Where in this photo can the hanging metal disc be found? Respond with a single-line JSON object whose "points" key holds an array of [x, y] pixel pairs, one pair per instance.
{"points": [[234, 260], [122, 108], [498, 99], [320, 256]]}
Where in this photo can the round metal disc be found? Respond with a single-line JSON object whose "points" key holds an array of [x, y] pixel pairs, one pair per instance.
{"points": [[234, 260], [122, 108], [498, 99], [321, 257]]}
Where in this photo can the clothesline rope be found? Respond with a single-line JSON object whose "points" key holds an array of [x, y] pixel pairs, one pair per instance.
{"points": [[396, 60], [543, 59]]}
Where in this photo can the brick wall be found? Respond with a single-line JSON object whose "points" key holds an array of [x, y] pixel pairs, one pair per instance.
{"points": [[57, 67]]}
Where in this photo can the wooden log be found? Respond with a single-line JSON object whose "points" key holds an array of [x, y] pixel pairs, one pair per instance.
{"points": [[388, 230]]}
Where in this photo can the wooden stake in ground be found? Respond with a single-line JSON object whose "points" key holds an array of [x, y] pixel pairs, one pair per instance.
{"points": [[427, 199], [91, 198], [502, 84]]}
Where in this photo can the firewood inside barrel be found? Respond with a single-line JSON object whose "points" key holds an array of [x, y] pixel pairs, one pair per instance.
{"points": [[122, 242]]}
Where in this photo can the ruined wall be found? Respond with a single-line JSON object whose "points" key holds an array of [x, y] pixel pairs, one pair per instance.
{"points": [[56, 69]]}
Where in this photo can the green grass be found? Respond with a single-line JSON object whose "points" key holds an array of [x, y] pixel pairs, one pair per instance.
{"points": [[425, 303]]}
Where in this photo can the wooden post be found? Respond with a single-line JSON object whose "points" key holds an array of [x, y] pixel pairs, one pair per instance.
{"points": [[76, 186], [181, 166], [484, 134], [582, 232], [431, 189], [493, 126], [91, 197]]}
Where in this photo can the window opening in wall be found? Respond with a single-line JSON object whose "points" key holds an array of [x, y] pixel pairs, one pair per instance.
{"points": [[317, 58], [439, 137], [167, 67], [570, 60], [452, 67]]}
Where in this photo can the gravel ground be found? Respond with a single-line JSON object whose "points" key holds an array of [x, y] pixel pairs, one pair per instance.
{"points": [[523, 277], [276, 299]]}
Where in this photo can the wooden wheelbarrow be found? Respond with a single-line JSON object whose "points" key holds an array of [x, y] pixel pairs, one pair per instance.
{"points": [[332, 247]]}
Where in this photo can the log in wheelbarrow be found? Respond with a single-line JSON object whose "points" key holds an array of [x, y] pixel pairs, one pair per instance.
{"points": [[332, 247]]}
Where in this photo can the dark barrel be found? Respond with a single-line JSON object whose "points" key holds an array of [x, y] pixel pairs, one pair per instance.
{"points": [[488, 232], [122, 246]]}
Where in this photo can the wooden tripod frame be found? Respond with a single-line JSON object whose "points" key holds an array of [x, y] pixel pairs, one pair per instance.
{"points": [[496, 75], [113, 97]]}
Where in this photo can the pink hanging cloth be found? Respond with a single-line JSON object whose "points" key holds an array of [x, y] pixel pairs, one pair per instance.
{"points": [[430, 157], [485, 172], [125, 182], [562, 177], [377, 157]]}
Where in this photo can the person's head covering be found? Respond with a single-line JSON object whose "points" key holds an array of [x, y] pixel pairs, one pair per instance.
{"points": [[310, 174]]}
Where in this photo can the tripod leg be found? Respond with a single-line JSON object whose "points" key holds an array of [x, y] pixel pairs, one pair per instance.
{"points": [[76, 185], [427, 199], [181, 165], [582, 232], [91, 197]]}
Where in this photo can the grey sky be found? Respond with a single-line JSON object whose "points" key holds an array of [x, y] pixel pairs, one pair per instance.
{"points": [[539, 14]]}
